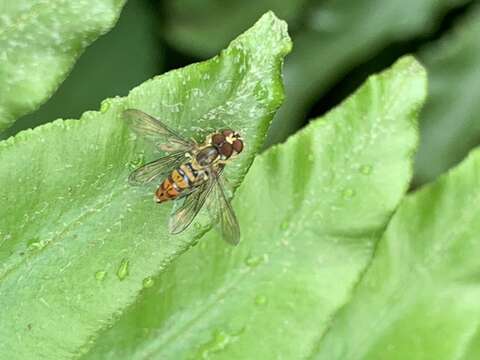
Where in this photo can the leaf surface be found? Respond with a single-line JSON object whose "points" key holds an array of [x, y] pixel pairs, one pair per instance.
{"points": [[39, 43], [76, 241], [311, 212]]}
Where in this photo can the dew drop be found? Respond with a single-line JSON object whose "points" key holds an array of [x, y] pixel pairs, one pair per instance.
{"points": [[219, 342], [253, 261], [261, 300], [36, 245], [100, 275], [148, 282], [366, 169], [200, 229], [137, 162], [348, 193], [104, 106], [122, 271]]}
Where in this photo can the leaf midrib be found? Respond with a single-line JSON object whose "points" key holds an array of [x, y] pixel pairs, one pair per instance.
{"points": [[317, 343]]}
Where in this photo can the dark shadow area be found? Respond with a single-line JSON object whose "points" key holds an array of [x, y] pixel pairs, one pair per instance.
{"points": [[351, 81]]}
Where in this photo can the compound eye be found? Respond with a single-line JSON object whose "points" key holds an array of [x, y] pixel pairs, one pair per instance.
{"points": [[238, 146], [218, 139], [227, 132], [226, 150]]}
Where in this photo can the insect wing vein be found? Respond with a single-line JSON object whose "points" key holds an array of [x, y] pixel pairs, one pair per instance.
{"points": [[156, 169], [193, 203], [156, 131], [224, 214]]}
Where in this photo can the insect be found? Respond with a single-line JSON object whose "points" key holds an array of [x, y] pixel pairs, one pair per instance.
{"points": [[190, 172]]}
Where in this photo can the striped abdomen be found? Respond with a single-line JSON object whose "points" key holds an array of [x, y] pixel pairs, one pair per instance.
{"points": [[181, 179]]}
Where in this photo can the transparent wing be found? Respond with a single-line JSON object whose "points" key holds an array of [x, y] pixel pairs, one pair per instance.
{"points": [[156, 132], [156, 169], [223, 212], [192, 204]]}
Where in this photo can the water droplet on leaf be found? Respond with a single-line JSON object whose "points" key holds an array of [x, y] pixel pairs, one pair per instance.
{"points": [[36, 244], [261, 300], [253, 261], [137, 162], [104, 106], [100, 275], [348, 193], [148, 282], [219, 342], [122, 271], [366, 169], [200, 228]]}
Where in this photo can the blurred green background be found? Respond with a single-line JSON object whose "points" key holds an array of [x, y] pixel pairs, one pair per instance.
{"points": [[337, 45]]}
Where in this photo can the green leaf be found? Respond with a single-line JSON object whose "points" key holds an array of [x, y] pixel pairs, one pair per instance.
{"points": [[419, 298], [341, 35], [450, 124], [311, 212], [39, 43], [202, 27], [109, 67], [77, 243]]}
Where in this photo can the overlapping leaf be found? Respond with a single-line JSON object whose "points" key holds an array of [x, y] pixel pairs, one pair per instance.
{"points": [[76, 242], [111, 66], [419, 298], [39, 43]]}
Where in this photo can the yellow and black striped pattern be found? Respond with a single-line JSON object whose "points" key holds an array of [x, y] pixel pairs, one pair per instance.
{"points": [[185, 177]]}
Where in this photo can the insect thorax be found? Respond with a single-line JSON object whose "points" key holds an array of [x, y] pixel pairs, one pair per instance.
{"points": [[207, 156]]}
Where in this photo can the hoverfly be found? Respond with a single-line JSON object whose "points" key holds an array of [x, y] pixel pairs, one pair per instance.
{"points": [[190, 172]]}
